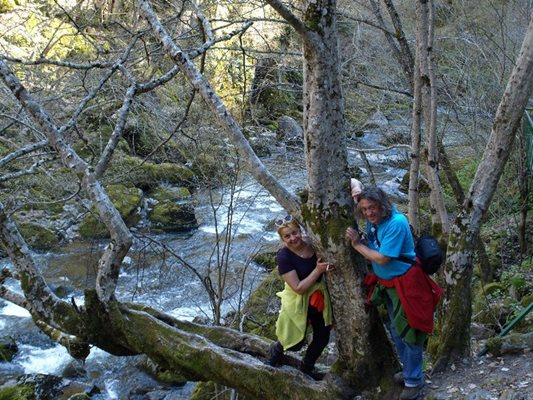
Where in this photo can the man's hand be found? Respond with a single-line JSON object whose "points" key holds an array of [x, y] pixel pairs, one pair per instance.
{"points": [[353, 236]]}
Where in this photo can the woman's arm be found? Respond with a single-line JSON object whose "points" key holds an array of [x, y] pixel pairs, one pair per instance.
{"points": [[301, 286]]}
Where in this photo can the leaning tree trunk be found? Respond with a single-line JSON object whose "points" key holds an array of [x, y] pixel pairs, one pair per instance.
{"points": [[485, 268], [455, 331]]}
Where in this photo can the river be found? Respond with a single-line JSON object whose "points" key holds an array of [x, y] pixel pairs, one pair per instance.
{"points": [[164, 283]]}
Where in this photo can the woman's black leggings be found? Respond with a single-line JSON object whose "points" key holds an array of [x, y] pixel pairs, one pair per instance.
{"points": [[320, 337]]}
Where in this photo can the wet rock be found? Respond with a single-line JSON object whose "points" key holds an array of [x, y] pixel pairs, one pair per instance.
{"points": [[480, 394], [74, 369], [509, 394], [127, 200], [169, 216], [289, 131], [62, 291], [479, 331], [45, 387], [378, 121], [38, 237], [8, 348]]}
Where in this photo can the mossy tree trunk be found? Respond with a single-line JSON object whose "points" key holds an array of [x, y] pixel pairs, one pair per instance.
{"points": [[454, 334]]}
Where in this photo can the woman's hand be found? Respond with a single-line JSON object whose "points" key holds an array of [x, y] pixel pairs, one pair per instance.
{"points": [[353, 236], [324, 266]]}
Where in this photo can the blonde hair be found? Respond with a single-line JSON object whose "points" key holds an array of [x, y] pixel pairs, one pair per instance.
{"points": [[291, 224]]}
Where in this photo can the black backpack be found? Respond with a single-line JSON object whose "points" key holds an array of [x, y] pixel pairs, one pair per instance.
{"points": [[428, 250]]}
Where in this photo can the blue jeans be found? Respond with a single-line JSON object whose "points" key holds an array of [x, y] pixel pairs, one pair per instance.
{"points": [[411, 356]]}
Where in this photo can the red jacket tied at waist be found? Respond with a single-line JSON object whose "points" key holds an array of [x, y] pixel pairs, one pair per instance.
{"points": [[418, 293]]}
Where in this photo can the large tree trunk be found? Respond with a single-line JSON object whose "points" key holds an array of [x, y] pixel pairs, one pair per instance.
{"points": [[454, 335], [328, 209]]}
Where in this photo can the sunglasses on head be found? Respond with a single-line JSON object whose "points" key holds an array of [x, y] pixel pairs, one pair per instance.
{"points": [[282, 221]]}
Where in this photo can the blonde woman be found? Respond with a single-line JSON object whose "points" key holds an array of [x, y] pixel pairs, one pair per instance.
{"points": [[304, 300]]}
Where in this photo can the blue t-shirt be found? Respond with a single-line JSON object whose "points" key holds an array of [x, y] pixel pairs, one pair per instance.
{"points": [[392, 238]]}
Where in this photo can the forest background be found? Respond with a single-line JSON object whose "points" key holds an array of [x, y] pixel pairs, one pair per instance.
{"points": [[95, 107]]}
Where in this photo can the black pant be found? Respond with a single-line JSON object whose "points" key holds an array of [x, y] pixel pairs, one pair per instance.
{"points": [[320, 340]]}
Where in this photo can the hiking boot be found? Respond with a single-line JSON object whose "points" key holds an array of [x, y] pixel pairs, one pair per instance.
{"points": [[411, 393], [275, 354], [311, 371], [398, 378]]}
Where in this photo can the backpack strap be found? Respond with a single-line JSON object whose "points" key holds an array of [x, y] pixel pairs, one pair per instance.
{"points": [[406, 260]]}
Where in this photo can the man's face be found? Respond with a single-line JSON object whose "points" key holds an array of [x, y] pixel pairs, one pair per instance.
{"points": [[371, 210]]}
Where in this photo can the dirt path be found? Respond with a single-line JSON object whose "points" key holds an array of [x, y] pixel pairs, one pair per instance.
{"points": [[509, 377]]}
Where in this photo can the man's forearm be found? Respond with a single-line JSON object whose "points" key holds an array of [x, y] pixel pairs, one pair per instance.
{"points": [[370, 254]]}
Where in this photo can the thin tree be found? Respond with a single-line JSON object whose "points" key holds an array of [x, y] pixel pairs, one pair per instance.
{"points": [[454, 335]]}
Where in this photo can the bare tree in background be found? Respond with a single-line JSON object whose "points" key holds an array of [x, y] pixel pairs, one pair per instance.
{"points": [[454, 336]]}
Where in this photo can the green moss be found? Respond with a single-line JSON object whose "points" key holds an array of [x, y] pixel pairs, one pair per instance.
{"points": [[149, 176], [8, 349], [127, 200], [169, 193], [263, 307], [17, 39], [19, 392], [526, 300], [266, 260], [210, 390], [38, 237], [170, 216], [79, 396], [493, 287], [494, 345]]}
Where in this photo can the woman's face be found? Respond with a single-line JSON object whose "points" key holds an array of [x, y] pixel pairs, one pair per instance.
{"points": [[290, 235], [371, 210]]}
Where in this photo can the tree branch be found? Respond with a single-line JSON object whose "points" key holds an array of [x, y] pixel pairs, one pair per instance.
{"points": [[287, 14], [226, 120], [24, 172], [22, 151], [121, 239]]}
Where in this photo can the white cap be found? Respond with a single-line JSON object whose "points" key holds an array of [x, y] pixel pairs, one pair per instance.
{"points": [[356, 187]]}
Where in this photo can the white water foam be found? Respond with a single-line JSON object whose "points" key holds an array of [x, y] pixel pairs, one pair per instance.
{"points": [[14, 310], [35, 360]]}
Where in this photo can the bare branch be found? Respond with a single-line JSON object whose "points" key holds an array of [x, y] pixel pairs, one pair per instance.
{"points": [[38, 298], [16, 120], [92, 94], [109, 263], [14, 298], [67, 64], [20, 173], [22, 151], [117, 132], [366, 21], [195, 53], [287, 14], [76, 347], [226, 120], [385, 149], [384, 88]]}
